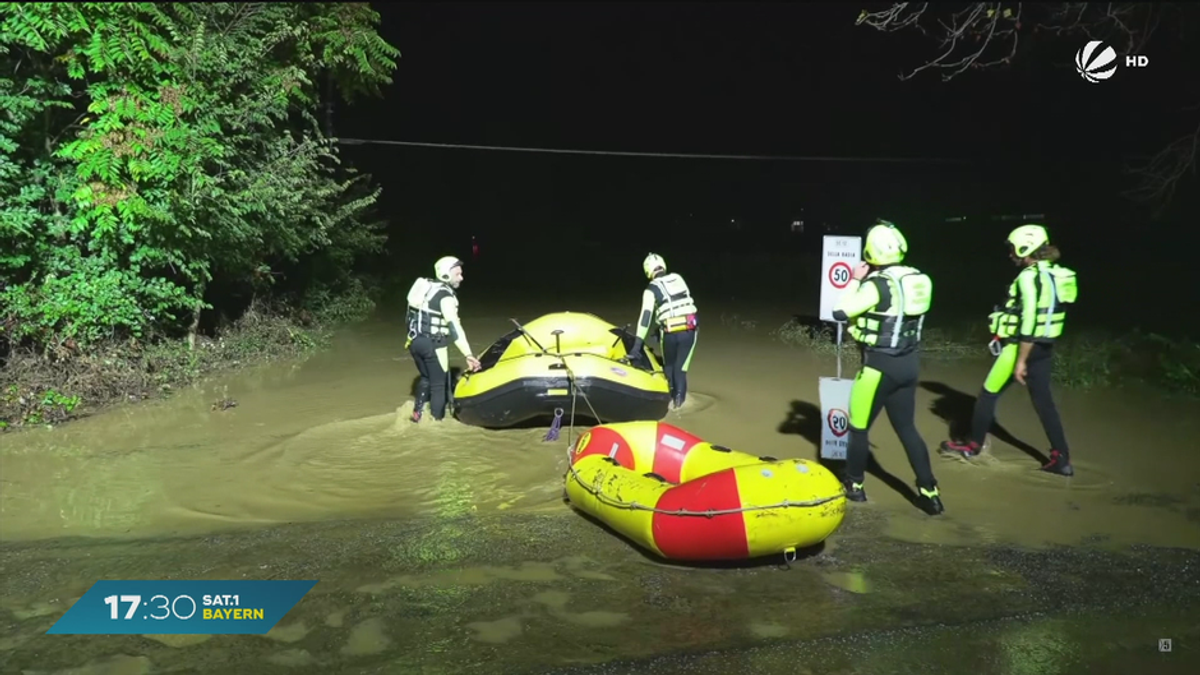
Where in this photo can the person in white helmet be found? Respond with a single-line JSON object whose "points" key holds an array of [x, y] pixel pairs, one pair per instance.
{"points": [[668, 302], [886, 304], [433, 323]]}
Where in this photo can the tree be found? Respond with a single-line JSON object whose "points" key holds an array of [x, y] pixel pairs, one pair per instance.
{"points": [[983, 35], [147, 148]]}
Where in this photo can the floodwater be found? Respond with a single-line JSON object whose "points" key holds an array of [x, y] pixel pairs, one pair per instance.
{"points": [[445, 548]]}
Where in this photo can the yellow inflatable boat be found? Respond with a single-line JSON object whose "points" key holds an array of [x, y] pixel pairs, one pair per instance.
{"points": [[538, 367], [685, 499]]}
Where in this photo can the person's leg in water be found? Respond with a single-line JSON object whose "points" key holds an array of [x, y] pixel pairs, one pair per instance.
{"points": [[1039, 368], [430, 359], [439, 372], [866, 401], [670, 349], [417, 348], [998, 380], [1040, 365], [678, 349], [901, 406]]}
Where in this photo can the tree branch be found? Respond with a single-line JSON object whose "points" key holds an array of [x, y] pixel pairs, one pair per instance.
{"points": [[978, 27], [1160, 176], [987, 34]]}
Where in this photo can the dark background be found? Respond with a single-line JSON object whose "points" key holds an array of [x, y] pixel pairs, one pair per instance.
{"points": [[760, 79]]}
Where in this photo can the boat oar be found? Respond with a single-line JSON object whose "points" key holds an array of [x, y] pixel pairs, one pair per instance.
{"points": [[528, 337], [634, 359], [621, 335]]}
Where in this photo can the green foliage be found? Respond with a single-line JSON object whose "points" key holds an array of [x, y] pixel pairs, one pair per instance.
{"points": [[35, 390], [50, 405], [148, 148]]}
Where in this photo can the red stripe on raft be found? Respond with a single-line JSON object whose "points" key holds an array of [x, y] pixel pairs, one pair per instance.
{"points": [[697, 537], [604, 441], [672, 445]]}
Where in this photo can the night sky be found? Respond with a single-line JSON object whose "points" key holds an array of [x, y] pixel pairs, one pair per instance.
{"points": [[771, 79]]}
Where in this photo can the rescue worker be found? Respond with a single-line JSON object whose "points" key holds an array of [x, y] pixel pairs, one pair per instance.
{"points": [[668, 302], [1024, 331], [885, 304], [433, 323]]}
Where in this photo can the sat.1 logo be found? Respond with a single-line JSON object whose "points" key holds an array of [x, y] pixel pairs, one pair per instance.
{"points": [[1096, 62]]}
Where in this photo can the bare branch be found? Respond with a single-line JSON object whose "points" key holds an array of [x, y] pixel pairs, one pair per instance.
{"points": [[977, 27], [1160, 176], [986, 34]]}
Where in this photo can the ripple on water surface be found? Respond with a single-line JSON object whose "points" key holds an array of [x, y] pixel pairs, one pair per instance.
{"points": [[382, 465]]}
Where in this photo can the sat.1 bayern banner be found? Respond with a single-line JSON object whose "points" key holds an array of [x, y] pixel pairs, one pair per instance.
{"points": [[137, 607]]}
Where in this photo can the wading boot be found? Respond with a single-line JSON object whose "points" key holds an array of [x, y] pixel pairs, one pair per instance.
{"points": [[419, 405], [854, 491], [929, 500], [966, 450], [1059, 463], [679, 401]]}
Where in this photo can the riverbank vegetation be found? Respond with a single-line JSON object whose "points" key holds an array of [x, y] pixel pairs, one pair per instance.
{"points": [[1081, 360], [170, 202]]}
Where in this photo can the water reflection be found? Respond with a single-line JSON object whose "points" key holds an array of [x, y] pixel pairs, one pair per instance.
{"points": [[329, 439]]}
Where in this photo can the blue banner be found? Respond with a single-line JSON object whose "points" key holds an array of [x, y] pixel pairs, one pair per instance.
{"points": [[181, 607]]}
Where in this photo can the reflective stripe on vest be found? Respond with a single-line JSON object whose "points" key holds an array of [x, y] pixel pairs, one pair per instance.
{"points": [[1051, 315], [677, 304]]}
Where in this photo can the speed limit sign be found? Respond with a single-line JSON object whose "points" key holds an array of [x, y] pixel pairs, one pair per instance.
{"points": [[839, 275]]}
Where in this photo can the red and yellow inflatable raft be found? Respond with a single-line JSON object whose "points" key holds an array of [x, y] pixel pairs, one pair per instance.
{"points": [[686, 499]]}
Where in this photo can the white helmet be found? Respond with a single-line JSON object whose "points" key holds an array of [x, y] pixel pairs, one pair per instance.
{"points": [[653, 263], [443, 267]]}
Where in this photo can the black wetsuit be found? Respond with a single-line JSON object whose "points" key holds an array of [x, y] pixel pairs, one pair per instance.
{"points": [[897, 392], [677, 352], [1038, 374], [432, 386]]}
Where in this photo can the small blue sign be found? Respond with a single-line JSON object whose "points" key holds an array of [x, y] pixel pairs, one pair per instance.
{"points": [[206, 607]]}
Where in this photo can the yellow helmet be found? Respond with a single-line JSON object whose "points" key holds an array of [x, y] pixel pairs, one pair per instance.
{"points": [[884, 245], [1028, 238], [652, 264], [444, 265]]}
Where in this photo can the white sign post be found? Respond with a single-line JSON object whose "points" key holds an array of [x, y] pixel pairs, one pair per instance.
{"points": [[839, 256], [835, 416]]}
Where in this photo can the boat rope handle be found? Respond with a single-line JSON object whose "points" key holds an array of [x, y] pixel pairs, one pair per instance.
{"points": [[575, 394], [555, 426], [596, 491]]}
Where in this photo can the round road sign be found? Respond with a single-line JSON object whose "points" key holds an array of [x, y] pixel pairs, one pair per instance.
{"points": [[839, 274], [838, 421]]}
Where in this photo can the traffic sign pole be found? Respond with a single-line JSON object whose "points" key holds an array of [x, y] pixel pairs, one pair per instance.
{"points": [[840, 255], [839, 350]]}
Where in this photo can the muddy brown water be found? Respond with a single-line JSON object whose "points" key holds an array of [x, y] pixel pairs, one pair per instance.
{"points": [[327, 441]]}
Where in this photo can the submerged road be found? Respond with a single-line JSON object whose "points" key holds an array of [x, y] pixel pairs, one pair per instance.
{"points": [[528, 593]]}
